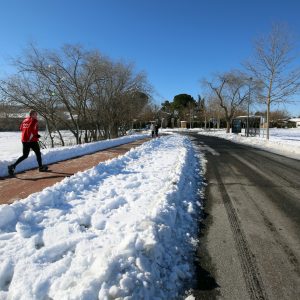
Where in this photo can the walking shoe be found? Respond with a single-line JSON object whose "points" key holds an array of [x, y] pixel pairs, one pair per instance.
{"points": [[11, 170], [43, 168]]}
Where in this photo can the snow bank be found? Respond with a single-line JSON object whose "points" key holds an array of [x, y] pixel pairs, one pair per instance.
{"points": [[124, 229]]}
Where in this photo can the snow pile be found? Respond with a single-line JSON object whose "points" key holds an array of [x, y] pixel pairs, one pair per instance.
{"points": [[124, 229], [53, 155]]}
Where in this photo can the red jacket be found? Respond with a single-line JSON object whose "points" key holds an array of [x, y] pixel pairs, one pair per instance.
{"points": [[29, 128]]}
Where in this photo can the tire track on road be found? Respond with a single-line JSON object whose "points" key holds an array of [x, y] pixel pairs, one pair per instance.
{"points": [[268, 223], [251, 273]]}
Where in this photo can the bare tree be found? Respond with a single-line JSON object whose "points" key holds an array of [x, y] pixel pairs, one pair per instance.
{"points": [[273, 66], [79, 90], [69, 79], [57, 85], [216, 111], [118, 96], [27, 92], [230, 91]]}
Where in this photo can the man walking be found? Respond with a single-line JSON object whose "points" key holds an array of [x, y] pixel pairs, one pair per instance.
{"points": [[156, 130], [152, 129], [30, 138]]}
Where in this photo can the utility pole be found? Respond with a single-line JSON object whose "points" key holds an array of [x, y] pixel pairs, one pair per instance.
{"points": [[250, 79]]}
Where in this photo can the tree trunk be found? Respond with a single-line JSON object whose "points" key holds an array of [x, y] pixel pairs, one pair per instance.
{"points": [[61, 137], [49, 132], [114, 131], [228, 126], [268, 117]]}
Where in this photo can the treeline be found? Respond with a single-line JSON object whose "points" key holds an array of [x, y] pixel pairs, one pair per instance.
{"points": [[81, 91], [207, 113], [269, 78]]}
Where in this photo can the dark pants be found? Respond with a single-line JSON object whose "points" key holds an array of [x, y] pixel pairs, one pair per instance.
{"points": [[26, 149]]}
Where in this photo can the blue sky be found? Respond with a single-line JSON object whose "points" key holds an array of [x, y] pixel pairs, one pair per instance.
{"points": [[177, 43]]}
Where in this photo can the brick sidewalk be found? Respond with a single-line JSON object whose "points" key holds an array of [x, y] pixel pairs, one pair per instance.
{"points": [[32, 181]]}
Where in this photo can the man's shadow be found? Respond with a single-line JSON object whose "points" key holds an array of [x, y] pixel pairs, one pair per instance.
{"points": [[55, 175]]}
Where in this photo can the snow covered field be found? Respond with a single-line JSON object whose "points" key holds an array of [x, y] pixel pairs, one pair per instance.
{"points": [[10, 142], [124, 229]]}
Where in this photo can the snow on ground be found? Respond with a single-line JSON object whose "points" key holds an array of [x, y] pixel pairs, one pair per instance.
{"points": [[125, 229], [10, 144], [285, 142], [10, 141]]}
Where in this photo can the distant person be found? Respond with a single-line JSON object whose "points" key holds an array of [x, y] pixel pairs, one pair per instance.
{"points": [[152, 128], [156, 130], [30, 138]]}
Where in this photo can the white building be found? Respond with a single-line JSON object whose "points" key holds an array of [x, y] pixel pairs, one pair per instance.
{"points": [[295, 120]]}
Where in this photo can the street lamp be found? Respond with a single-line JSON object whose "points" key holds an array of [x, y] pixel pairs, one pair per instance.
{"points": [[250, 79]]}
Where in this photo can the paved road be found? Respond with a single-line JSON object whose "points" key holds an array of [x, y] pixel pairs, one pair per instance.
{"points": [[250, 241]]}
